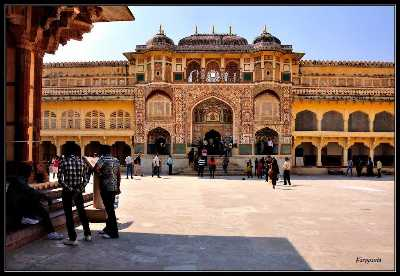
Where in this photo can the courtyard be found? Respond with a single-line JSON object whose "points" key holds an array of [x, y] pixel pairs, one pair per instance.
{"points": [[187, 223]]}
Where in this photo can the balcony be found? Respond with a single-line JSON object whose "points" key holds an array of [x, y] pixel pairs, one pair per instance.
{"points": [[213, 76]]}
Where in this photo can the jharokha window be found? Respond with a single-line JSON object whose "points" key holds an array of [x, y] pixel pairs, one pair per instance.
{"points": [[70, 119], [120, 119], [95, 119], [266, 107], [49, 120], [158, 107]]}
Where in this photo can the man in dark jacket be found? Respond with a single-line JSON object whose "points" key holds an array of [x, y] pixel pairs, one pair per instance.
{"points": [[109, 169]]}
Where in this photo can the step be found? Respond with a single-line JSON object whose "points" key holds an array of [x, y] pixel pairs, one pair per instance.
{"points": [[31, 233], [57, 203]]}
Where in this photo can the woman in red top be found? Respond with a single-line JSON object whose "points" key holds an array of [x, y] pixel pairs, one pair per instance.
{"points": [[212, 166], [56, 163]]}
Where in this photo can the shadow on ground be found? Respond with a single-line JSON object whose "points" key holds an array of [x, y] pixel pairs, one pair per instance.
{"points": [[144, 251]]}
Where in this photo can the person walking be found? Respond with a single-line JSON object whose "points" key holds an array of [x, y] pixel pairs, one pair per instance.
{"points": [[128, 162], [349, 167], [55, 165], [248, 169], [170, 162], [379, 168], [225, 163], [73, 176], [286, 171], [156, 166], [108, 168], [260, 168], [267, 167], [201, 164], [138, 159], [191, 156], [212, 165], [204, 154], [256, 167], [370, 167], [274, 172], [270, 145]]}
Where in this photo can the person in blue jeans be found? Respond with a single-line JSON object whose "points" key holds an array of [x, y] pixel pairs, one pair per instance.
{"points": [[129, 167]]}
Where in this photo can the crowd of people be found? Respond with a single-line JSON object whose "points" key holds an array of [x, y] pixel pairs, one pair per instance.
{"points": [[359, 165]]}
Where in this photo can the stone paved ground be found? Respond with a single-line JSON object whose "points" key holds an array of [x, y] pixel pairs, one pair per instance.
{"points": [[186, 223]]}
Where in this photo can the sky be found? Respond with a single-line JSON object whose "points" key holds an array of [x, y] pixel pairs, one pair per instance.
{"points": [[321, 32]]}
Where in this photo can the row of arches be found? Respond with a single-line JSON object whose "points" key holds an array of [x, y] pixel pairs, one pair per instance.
{"points": [[333, 121], [213, 72], [119, 119], [332, 154]]}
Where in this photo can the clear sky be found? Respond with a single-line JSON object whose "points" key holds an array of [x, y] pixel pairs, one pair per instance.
{"points": [[321, 32]]}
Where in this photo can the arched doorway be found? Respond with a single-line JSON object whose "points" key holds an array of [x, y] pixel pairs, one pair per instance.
{"points": [[93, 149], [159, 141], [385, 153], [120, 150], [47, 151], [213, 145], [309, 153], [261, 141], [358, 151], [332, 154], [214, 118], [76, 148]]}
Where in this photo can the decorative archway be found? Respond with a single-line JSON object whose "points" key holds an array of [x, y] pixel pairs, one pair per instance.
{"points": [[261, 141], [212, 114], [385, 153], [213, 142], [332, 121], [306, 121], [159, 141], [384, 121], [359, 122], [358, 151], [332, 154], [309, 153]]}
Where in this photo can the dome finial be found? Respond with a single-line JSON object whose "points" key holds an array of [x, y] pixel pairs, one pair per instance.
{"points": [[161, 30], [213, 29], [230, 30], [265, 29], [195, 31]]}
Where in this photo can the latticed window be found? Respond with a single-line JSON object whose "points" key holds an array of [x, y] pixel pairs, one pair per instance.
{"points": [[358, 121], [306, 121], [158, 107], [266, 107], [70, 119], [120, 119], [49, 120], [95, 119], [384, 121]]}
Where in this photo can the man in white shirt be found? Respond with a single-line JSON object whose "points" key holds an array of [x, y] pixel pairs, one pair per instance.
{"points": [[379, 167], [128, 161], [286, 171], [270, 145], [156, 166]]}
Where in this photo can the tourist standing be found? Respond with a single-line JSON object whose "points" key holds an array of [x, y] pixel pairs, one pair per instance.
{"points": [[370, 167], [248, 169], [128, 161], [256, 167], [138, 160], [274, 172], [191, 156], [260, 168], [201, 164], [268, 163], [170, 162], [73, 176], [286, 171], [110, 180], [379, 167], [225, 163], [55, 165], [212, 167], [270, 145], [156, 166], [349, 167], [359, 167], [204, 153]]}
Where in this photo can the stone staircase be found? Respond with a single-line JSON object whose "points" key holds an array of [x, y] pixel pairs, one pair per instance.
{"points": [[28, 233], [233, 169]]}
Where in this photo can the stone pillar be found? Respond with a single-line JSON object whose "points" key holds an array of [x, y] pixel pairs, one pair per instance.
{"points": [[262, 68], [163, 69], [273, 68], [371, 122], [345, 149], [37, 95], [152, 68], [371, 152], [346, 122], [58, 146], [203, 62], [23, 66], [319, 149]]}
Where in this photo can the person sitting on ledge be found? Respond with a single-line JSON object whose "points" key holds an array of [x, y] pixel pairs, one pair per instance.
{"points": [[23, 203]]}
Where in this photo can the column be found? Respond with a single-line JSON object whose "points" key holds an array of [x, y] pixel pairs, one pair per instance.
{"points": [[241, 68], [37, 95], [262, 67], [273, 68], [203, 62], [346, 122], [163, 69], [345, 149], [183, 68], [152, 68], [82, 149], [58, 146], [371, 122], [319, 149]]}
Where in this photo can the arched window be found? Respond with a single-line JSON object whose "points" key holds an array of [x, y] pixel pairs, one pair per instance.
{"points": [[49, 120], [120, 119], [193, 71], [95, 119], [213, 72], [306, 121], [332, 121], [266, 107], [384, 121], [358, 122], [158, 106], [70, 119], [232, 73]]}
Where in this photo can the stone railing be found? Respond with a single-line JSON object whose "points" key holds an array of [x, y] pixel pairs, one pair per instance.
{"points": [[374, 94]]}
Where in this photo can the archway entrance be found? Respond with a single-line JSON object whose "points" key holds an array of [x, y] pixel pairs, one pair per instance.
{"points": [[261, 141], [213, 142], [120, 150], [385, 153], [212, 121], [159, 141], [309, 153], [75, 146], [47, 151], [93, 149], [332, 154], [358, 151]]}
